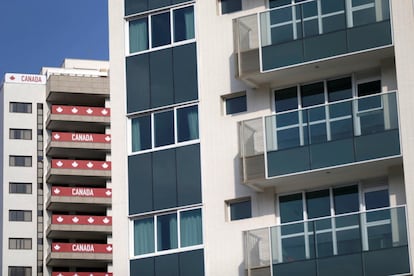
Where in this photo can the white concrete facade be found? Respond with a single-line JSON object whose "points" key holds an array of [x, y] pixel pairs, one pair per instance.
{"points": [[221, 163], [32, 94]]}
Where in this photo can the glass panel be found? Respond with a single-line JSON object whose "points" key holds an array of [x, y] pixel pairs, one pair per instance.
{"points": [[318, 204], [144, 236], [191, 228], [339, 89], [286, 119], [160, 29], [187, 123], [138, 35], [379, 236], [293, 249], [228, 6], [236, 105], [324, 244], [286, 99], [279, 3], [309, 12], [288, 138], [141, 133], [291, 208], [346, 199], [369, 88], [372, 122], [364, 16], [167, 236], [183, 24], [312, 94], [240, 210], [341, 129], [348, 241], [164, 128], [377, 199]]}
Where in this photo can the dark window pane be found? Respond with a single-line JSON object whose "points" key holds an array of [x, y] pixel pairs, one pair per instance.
{"points": [[240, 210], [236, 105], [228, 6], [339, 89], [377, 199], [312, 94], [167, 236], [141, 133], [164, 128], [138, 35], [278, 3], [191, 228], [184, 24], [346, 199], [144, 236], [291, 208], [318, 204], [369, 88], [293, 249], [187, 123], [160, 29], [286, 99], [288, 138]]}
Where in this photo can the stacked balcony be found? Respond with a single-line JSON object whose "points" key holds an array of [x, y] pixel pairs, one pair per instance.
{"points": [[374, 242], [78, 175], [343, 140], [310, 39]]}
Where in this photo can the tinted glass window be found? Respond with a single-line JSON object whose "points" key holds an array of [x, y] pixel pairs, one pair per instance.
{"points": [[167, 235], [286, 99], [240, 210], [187, 123], [141, 133], [291, 208], [138, 35], [312, 94], [346, 199], [236, 105], [161, 32], [184, 24], [228, 6], [339, 89], [318, 204], [164, 128]]}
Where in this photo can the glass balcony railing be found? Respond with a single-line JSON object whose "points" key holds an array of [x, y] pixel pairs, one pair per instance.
{"points": [[322, 136], [369, 243], [310, 30]]}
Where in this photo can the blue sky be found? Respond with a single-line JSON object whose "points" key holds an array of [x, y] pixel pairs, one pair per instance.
{"points": [[36, 34]]}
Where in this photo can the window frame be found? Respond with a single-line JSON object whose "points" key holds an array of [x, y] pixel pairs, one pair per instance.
{"points": [[20, 133], [27, 271], [149, 15], [151, 115], [14, 161], [17, 185], [154, 216], [14, 107], [233, 96], [20, 244], [20, 215], [232, 202]]}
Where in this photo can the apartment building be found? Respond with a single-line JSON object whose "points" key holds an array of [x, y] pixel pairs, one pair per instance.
{"points": [[57, 180], [266, 137]]}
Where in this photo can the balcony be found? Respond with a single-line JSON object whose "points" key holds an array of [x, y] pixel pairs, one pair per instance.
{"points": [[79, 255], [348, 140], [80, 145], [78, 171], [79, 227], [312, 39], [78, 118], [76, 198], [89, 88], [360, 244]]}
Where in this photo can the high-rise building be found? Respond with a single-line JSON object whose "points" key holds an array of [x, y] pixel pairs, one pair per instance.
{"points": [[56, 171], [268, 137]]}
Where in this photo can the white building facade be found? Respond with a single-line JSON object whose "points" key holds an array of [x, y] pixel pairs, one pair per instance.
{"points": [[262, 137], [56, 170]]}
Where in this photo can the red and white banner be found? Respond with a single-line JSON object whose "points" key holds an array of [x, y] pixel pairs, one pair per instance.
{"points": [[81, 137], [82, 248], [81, 220], [81, 273], [81, 192], [81, 164], [25, 78], [81, 110]]}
